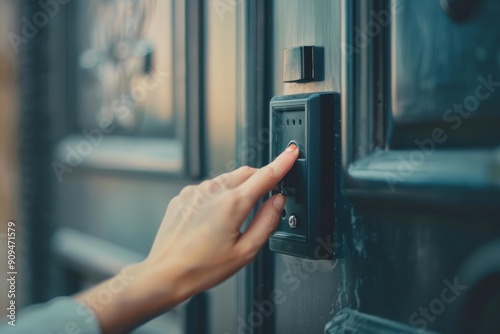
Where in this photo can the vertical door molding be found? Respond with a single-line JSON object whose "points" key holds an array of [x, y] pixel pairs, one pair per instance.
{"points": [[253, 89]]}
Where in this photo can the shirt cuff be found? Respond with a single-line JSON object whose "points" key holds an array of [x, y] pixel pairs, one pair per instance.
{"points": [[60, 315]]}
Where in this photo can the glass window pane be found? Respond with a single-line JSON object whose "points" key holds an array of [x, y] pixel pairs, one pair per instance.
{"points": [[125, 58]]}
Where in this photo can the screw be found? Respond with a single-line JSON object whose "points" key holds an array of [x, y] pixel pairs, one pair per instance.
{"points": [[292, 221]]}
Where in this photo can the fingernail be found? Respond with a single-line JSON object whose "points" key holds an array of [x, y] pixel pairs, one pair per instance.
{"points": [[279, 202], [291, 148]]}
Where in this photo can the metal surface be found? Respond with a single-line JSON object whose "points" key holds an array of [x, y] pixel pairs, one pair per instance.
{"points": [[302, 64], [348, 321], [447, 80], [318, 25], [310, 121], [461, 10], [306, 289], [398, 248], [434, 200]]}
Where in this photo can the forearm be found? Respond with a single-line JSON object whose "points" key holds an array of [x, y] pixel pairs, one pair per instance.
{"points": [[199, 245], [132, 297]]}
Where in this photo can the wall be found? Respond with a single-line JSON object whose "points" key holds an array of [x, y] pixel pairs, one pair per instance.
{"points": [[8, 124]]}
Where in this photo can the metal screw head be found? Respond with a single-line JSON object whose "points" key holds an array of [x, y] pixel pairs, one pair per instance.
{"points": [[292, 221]]}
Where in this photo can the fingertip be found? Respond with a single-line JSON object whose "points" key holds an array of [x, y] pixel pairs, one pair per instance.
{"points": [[292, 148], [279, 202], [292, 152], [289, 154]]}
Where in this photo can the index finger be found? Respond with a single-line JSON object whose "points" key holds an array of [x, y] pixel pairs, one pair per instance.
{"points": [[266, 178]]}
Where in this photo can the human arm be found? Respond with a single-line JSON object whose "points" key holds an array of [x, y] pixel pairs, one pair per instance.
{"points": [[198, 245]]}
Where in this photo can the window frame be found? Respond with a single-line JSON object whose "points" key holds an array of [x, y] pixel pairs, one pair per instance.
{"points": [[187, 158]]}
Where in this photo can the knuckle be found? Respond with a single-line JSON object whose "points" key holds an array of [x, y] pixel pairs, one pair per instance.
{"points": [[175, 201], [216, 186], [186, 211], [242, 198], [222, 180], [246, 170], [247, 251], [204, 184], [187, 190], [234, 201], [271, 221], [269, 218], [203, 190], [200, 200]]}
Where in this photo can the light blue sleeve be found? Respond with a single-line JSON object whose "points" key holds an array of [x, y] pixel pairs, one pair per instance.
{"points": [[62, 315]]}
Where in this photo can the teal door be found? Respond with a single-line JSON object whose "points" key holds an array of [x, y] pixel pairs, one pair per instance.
{"points": [[415, 233]]}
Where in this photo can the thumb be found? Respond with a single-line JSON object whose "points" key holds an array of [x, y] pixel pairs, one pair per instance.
{"points": [[263, 225]]}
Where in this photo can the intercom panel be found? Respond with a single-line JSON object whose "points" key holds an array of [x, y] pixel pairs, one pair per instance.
{"points": [[308, 121]]}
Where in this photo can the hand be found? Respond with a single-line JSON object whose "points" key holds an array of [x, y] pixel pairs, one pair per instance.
{"points": [[199, 243], [200, 233]]}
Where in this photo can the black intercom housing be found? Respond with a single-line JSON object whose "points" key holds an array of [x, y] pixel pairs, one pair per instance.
{"points": [[309, 121]]}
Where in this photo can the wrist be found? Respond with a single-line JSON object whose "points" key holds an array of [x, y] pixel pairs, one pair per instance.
{"points": [[138, 293], [159, 288]]}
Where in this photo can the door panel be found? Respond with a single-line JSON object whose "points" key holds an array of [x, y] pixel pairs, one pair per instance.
{"points": [[309, 288], [445, 73], [412, 239], [297, 23], [309, 291], [402, 253]]}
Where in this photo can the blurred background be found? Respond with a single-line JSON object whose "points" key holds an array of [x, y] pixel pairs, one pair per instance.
{"points": [[116, 125], [110, 107]]}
